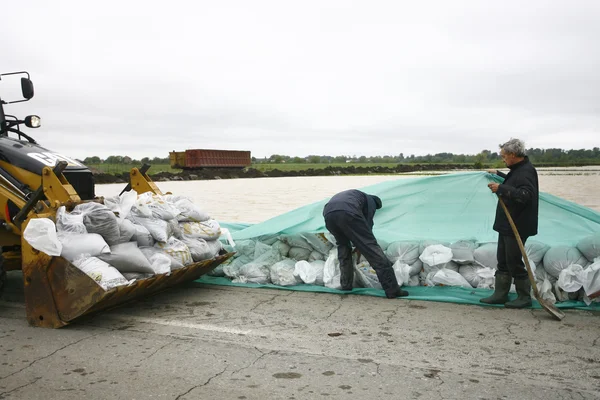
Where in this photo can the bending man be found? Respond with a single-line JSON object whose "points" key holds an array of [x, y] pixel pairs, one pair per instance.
{"points": [[349, 218]]}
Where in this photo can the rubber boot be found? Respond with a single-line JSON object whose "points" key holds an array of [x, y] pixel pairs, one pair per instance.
{"points": [[392, 294], [523, 299], [501, 288]]}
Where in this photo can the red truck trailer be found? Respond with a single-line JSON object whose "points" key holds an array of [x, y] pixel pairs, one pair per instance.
{"points": [[207, 158]]}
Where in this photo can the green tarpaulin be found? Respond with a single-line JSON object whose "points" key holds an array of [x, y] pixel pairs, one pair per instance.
{"points": [[446, 208]]}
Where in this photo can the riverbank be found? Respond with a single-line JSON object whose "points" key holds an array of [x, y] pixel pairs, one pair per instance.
{"points": [[227, 173]]}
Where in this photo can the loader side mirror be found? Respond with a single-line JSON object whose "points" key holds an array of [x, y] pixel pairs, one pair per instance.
{"points": [[27, 88]]}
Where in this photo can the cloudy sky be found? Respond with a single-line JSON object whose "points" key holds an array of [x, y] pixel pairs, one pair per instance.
{"points": [[142, 78]]}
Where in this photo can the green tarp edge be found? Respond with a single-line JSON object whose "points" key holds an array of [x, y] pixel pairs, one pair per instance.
{"points": [[444, 294]]}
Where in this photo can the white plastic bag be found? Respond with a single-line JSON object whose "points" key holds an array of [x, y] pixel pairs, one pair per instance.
{"points": [[40, 233], [71, 223], [331, 271], [296, 241], [560, 257], [159, 208], [571, 279], [403, 273], [590, 246], [462, 251], [591, 284], [202, 249], [316, 255], [436, 254], [121, 205], [310, 273], [281, 247], [486, 255]]}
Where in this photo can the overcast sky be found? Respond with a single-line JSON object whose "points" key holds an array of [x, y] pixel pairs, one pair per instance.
{"points": [[142, 78]]}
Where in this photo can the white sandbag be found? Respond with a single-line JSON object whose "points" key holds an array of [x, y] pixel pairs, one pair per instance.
{"points": [[560, 294], [486, 255], [40, 233], [202, 249], [158, 228], [405, 251], [190, 211], [97, 218], [142, 236], [541, 274], [151, 252], [161, 263], [296, 241], [71, 223], [207, 230], [299, 253], [136, 276], [260, 249], [75, 245], [462, 251], [330, 238], [268, 239], [535, 251], [174, 229], [127, 230], [591, 283], [451, 265], [571, 278], [127, 257], [560, 257], [545, 289], [103, 274], [218, 271], [281, 247], [448, 277], [331, 271], [590, 246], [245, 248], [416, 267], [316, 255], [426, 243], [310, 273], [366, 276], [177, 250], [232, 268], [282, 273], [159, 208], [121, 205], [253, 273], [318, 242], [478, 277], [436, 254]]}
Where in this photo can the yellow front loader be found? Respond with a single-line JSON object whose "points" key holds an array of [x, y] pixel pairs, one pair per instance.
{"points": [[34, 183]]}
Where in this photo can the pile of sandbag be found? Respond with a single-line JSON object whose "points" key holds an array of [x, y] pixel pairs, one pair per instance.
{"points": [[128, 237], [311, 258]]}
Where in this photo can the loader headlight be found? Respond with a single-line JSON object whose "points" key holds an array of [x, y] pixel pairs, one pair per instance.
{"points": [[33, 121]]}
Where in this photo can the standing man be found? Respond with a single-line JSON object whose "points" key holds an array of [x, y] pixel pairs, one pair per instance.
{"points": [[520, 192], [349, 218]]}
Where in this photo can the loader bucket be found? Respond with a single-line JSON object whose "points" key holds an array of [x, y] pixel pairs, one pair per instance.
{"points": [[57, 292]]}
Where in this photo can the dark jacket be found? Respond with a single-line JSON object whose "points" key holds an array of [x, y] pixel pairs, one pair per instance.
{"points": [[355, 202], [520, 192]]}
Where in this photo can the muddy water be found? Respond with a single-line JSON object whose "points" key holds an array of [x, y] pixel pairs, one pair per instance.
{"points": [[255, 200]]}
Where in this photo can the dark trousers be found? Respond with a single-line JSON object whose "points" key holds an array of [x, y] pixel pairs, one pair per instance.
{"points": [[510, 259], [351, 229]]}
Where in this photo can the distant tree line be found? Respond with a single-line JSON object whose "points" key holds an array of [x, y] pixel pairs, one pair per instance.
{"points": [[485, 157]]}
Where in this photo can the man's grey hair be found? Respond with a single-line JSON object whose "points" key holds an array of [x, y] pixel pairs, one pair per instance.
{"points": [[514, 146]]}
